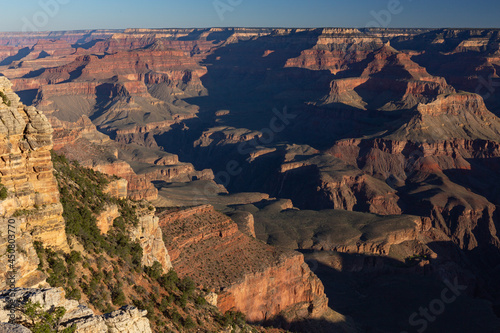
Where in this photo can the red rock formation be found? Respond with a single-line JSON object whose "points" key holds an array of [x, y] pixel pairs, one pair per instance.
{"points": [[68, 132], [249, 276], [117, 188], [24, 39], [319, 59], [168, 217], [139, 187], [289, 288], [424, 152], [46, 48]]}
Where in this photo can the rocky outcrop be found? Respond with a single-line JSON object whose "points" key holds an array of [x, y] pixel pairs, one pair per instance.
{"points": [[249, 276], [117, 188], [332, 230], [26, 259], [32, 193], [147, 231], [13, 328], [169, 216], [451, 117], [288, 288], [102, 156], [150, 237], [329, 183], [104, 220], [127, 319], [66, 132], [181, 172], [245, 222], [139, 186], [81, 141], [449, 137]]}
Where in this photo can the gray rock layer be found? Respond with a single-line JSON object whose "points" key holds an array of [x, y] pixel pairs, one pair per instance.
{"points": [[128, 319]]}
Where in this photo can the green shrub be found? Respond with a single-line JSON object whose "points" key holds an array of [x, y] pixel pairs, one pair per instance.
{"points": [[200, 300], [74, 257], [74, 294], [40, 321], [109, 308], [5, 99], [186, 285], [140, 290], [155, 271], [189, 323], [3, 192], [118, 297], [169, 281], [138, 304], [231, 318], [164, 305], [174, 316], [128, 212], [182, 300]]}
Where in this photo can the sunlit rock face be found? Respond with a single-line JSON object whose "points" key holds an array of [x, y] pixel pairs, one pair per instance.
{"points": [[26, 172], [127, 319]]}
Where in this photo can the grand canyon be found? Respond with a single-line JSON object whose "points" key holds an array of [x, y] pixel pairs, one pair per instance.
{"points": [[252, 179]]}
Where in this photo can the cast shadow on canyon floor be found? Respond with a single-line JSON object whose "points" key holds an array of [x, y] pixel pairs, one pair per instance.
{"points": [[252, 78], [380, 294]]}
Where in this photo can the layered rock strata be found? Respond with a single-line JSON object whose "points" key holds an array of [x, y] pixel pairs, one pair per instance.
{"points": [[249, 276], [32, 196]]}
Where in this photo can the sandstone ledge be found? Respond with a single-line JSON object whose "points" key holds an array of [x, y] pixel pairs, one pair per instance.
{"points": [[128, 319]]}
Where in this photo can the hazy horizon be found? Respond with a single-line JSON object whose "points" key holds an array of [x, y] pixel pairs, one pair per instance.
{"points": [[64, 15], [249, 27]]}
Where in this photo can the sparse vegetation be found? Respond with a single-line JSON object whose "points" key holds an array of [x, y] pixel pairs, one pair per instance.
{"points": [[23, 212], [108, 273], [416, 259], [3, 192], [83, 197], [5, 99], [155, 271], [40, 321]]}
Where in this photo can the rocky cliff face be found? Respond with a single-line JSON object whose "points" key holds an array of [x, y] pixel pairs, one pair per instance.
{"points": [[127, 319], [26, 172], [256, 279], [455, 133], [289, 289], [139, 166], [138, 186], [150, 237], [147, 231]]}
